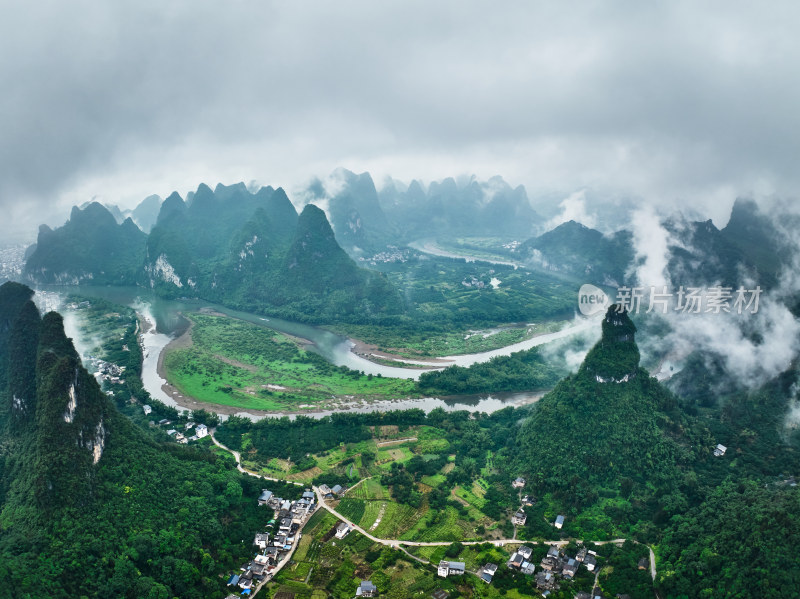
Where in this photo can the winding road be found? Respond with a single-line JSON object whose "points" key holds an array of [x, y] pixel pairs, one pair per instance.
{"points": [[400, 544]]}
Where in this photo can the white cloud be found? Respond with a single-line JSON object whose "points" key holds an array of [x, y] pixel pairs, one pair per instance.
{"points": [[678, 103], [573, 207]]}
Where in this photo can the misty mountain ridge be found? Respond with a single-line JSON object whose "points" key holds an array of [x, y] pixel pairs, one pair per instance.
{"points": [[144, 215], [89, 247], [698, 253], [226, 245], [366, 218]]}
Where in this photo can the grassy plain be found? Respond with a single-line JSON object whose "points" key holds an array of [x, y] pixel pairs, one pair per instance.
{"points": [[235, 363]]}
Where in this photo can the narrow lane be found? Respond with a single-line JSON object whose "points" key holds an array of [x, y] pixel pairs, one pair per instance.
{"points": [[399, 544]]}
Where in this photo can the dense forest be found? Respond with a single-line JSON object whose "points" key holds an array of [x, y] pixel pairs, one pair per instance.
{"points": [[90, 504], [521, 371], [108, 508]]}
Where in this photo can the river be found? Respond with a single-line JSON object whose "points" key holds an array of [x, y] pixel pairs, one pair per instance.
{"points": [[166, 322]]}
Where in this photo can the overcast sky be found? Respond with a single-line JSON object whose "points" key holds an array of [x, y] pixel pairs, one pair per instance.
{"points": [[679, 103]]}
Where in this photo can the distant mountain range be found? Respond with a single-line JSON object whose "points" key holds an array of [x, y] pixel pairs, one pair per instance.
{"points": [[144, 215], [366, 219], [253, 250], [228, 245], [699, 253]]}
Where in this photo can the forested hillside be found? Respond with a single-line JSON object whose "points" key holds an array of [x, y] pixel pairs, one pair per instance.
{"points": [[90, 248], [246, 250], [91, 505]]}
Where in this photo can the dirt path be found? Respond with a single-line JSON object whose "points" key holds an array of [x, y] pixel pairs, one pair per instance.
{"points": [[382, 443], [398, 544]]}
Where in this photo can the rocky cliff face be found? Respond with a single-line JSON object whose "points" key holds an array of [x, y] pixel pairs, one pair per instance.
{"points": [[615, 358], [55, 417]]}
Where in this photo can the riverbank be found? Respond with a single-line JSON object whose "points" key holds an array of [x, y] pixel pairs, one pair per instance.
{"points": [[370, 351], [351, 403], [275, 384]]}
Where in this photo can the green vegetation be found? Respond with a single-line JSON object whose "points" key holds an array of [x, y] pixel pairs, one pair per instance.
{"points": [[580, 252], [90, 248], [439, 303], [231, 362], [521, 371], [737, 543], [100, 506]]}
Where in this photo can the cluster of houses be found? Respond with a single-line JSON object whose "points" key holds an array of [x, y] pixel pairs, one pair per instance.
{"points": [[271, 549], [106, 371], [520, 561], [391, 254], [473, 281], [200, 431], [556, 565]]}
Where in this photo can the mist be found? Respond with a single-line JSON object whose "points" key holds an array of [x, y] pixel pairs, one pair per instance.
{"points": [[675, 104]]}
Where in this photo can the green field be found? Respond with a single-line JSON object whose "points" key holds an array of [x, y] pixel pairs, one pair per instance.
{"points": [[235, 363]]}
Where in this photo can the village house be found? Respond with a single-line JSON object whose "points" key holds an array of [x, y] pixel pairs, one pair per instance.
{"points": [[519, 518], [325, 491], [246, 580], [552, 560], [591, 561], [265, 497], [518, 483], [720, 450], [520, 560], [342, 530], [546, 581], [559, 522], [366, 589], [262, 540], [146, 409], [488, 572], [528, 500], [570, 568], [336, 490], [447, 568], [201, 431]]}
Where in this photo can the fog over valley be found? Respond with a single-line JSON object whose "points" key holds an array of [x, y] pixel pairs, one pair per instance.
{"points": [[399, 300]]}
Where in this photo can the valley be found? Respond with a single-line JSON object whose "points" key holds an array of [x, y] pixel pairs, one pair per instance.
{"points": [[396, 300], [444, 406]]}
